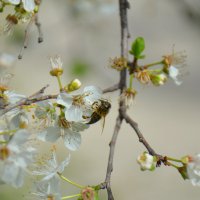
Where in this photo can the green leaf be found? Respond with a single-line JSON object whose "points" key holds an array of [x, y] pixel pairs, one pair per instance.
{"points": [[138, 47]]}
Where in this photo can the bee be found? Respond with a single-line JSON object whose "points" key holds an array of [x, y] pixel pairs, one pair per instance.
{"points": [[100, 110]]}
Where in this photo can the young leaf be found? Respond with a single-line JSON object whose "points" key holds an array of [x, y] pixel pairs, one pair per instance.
{"points": [[138, 47]]}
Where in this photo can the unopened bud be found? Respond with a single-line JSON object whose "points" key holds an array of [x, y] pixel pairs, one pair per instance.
{"points": [[147, 161], [158, 79], [73, 85]]}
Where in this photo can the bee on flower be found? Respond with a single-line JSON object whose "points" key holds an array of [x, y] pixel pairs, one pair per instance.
{"points": [[78, 107]]}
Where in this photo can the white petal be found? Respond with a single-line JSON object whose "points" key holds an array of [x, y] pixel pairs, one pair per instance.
{"points": [[19, 138], [51, 134], [63, 164], [74, 113], [29, 5], [64, 99], [76, 126], [15, 2], [173, 72], [72, 140], [14, 97], [13, 175], [95, 93]]}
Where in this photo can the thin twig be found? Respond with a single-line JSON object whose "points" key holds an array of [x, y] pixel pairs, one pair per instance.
{"points": [[40, 92], [134, 125], [111, 156], [36, 97], [27, 31], [111, 89], [38, 25]]}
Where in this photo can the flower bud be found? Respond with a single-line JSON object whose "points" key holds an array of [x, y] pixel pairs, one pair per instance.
{"points": [[158, 79], [147, 161], [73, 85]]}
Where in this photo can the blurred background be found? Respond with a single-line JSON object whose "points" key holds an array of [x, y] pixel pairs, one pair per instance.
{"points": [[86, 33]]}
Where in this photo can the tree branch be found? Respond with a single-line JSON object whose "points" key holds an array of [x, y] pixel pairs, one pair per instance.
{"points": [[111, 89], [36, 97], [111, 156], [123, 6]]}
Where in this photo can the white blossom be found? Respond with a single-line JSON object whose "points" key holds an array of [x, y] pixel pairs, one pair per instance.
{"points": [[50, 167], [146, 161], [174, 73], [68, 131], [15, 158], [47, 190], [193, 170], [78, 107]]}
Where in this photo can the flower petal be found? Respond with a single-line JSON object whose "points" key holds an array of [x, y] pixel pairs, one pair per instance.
{"points": [[72, 140], [15, 2], [29, 5], [94, 92], [64, 100], [51, 134], [63, 164], [74, 113], [79, 126]]}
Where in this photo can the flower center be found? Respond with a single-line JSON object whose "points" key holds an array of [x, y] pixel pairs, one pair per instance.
{"points": [[4, 153], [50, 197], [63, 123], [78, 100]]}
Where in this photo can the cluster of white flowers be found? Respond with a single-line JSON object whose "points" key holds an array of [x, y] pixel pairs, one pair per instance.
{"points": [[49, 185], [15, 157], [47, 121]]}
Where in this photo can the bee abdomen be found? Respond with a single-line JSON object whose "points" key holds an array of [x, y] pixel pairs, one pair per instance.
{"points": [[94, 118]]}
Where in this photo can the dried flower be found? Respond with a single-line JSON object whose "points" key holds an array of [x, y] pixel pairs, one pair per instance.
{"points": [[143, 76], [128, 96], [118, 63]]}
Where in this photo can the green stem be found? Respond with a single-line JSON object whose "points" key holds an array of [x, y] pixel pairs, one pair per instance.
{"points": [[8, 132], [71, 182], [153, 64], [174, 159], [131, 80], [3, 142], [173, 165], [59, 82], [71, 196]]}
